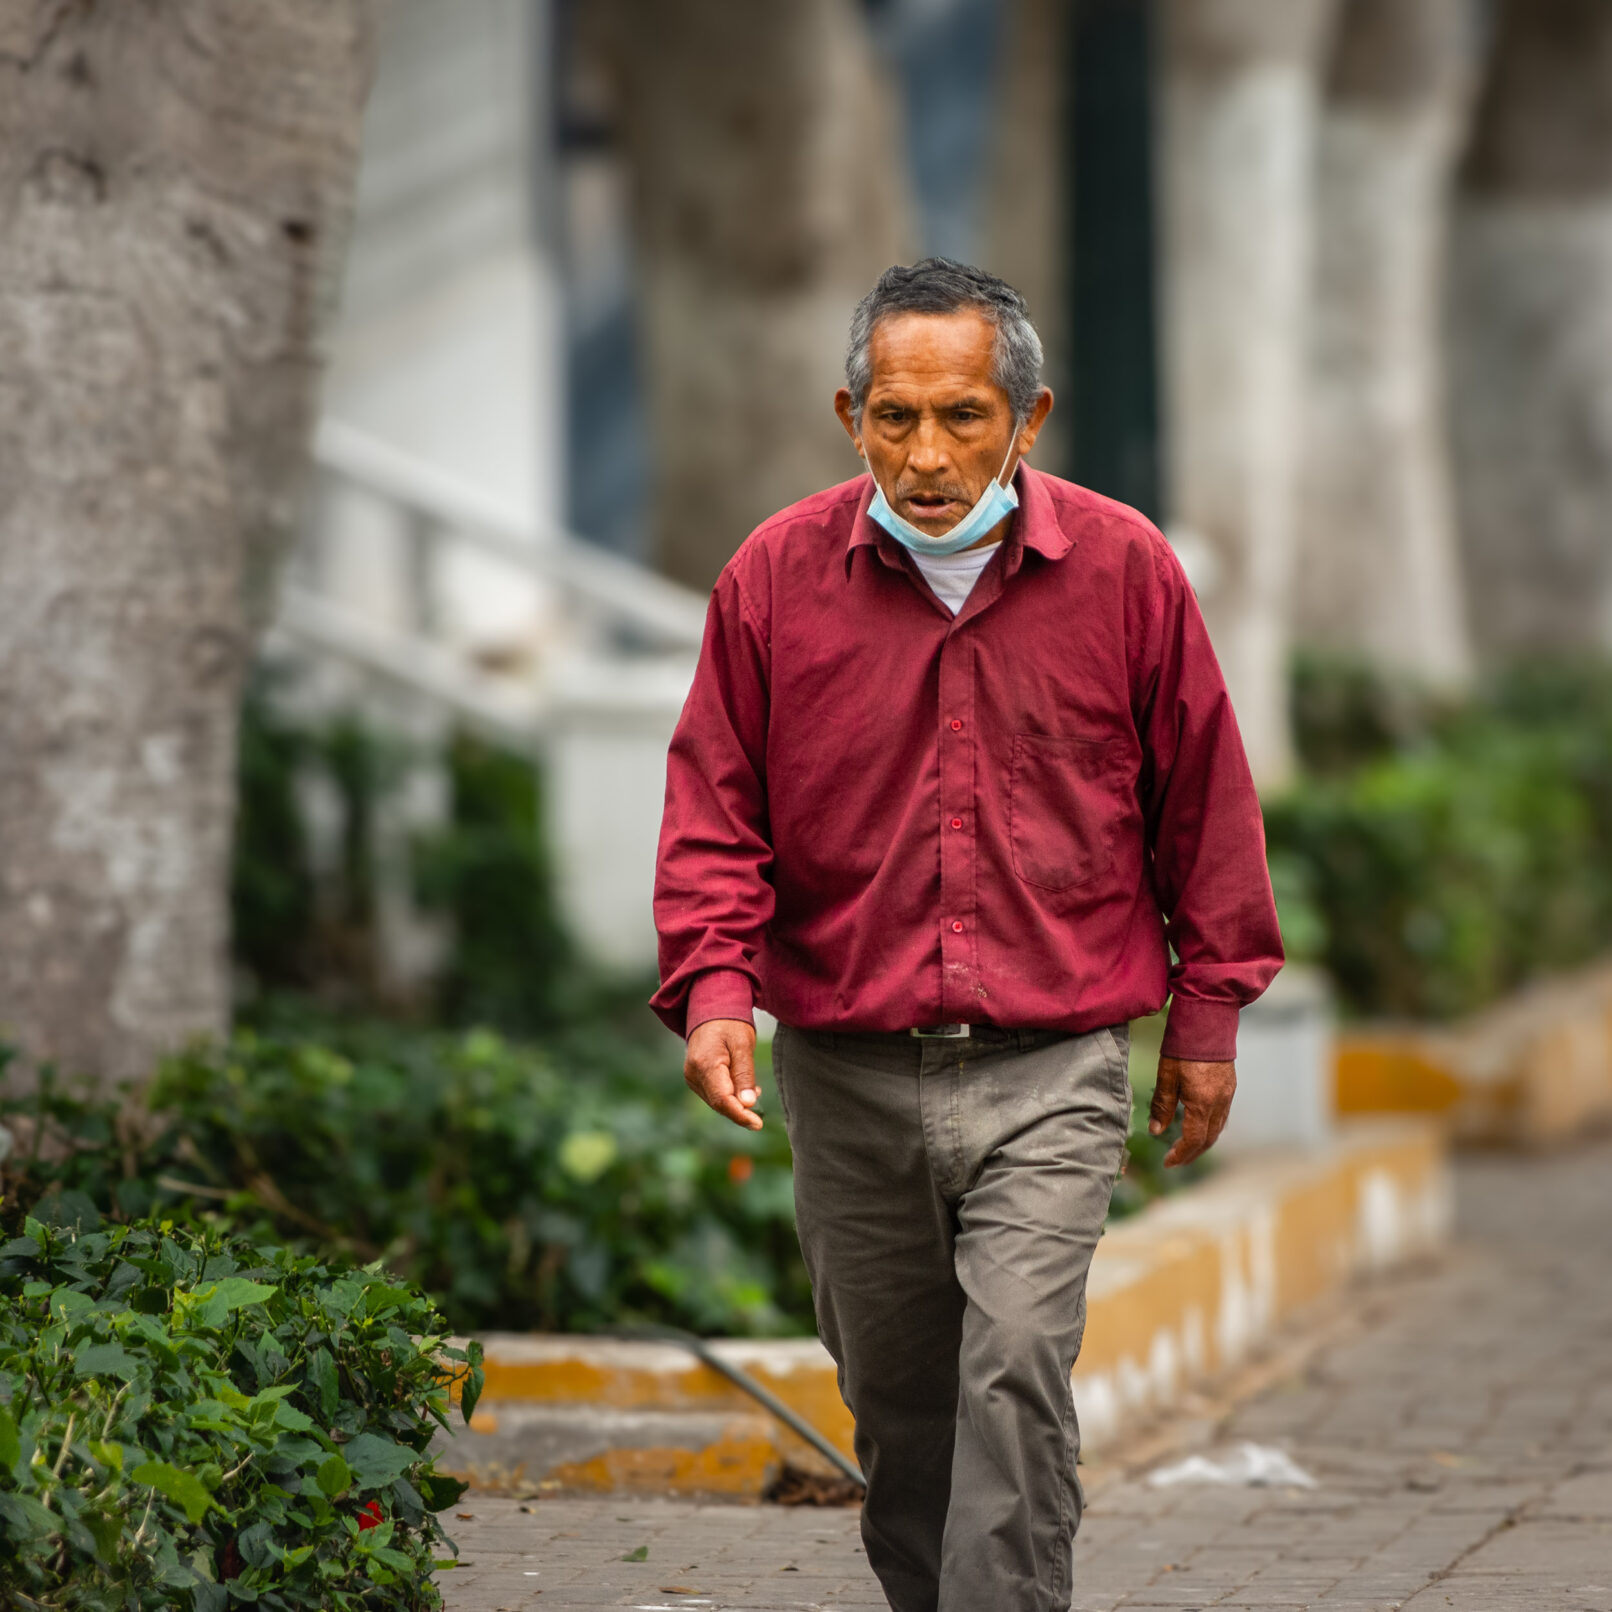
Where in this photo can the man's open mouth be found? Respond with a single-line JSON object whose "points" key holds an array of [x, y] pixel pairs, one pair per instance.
{"points": [[930, 503]]}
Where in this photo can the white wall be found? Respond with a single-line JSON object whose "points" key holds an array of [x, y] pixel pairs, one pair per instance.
{"points": [[449, 342]]}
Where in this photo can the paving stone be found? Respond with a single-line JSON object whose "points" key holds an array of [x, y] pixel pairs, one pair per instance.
{"points": [[1463, 1445]]}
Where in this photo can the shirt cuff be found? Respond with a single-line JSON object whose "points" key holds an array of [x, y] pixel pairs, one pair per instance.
{"points": [[719, 993], [1200, 1031]]}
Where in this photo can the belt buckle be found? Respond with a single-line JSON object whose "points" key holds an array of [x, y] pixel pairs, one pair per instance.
{"points": [[942, 1032]]}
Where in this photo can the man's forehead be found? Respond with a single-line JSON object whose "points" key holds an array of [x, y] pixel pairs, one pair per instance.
{"points": [[955, 348]]}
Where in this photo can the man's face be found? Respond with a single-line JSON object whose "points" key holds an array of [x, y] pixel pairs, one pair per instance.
{"points": [[936, 427]]}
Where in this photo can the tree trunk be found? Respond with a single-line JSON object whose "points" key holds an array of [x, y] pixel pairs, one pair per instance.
{"points": [[1379, 573], [1237, 155], [175, 183], [1531, 360], [768, 196], [1026, 217]]}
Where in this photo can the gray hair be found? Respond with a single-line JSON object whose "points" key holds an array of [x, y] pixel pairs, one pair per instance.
{"points": [[938, 285]]}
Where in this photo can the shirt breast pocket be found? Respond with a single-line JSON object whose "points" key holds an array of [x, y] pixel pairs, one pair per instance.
{"points": [[1067, 801]]}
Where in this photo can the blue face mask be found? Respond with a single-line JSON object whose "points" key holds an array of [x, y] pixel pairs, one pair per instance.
{"points": [[993, 505]]}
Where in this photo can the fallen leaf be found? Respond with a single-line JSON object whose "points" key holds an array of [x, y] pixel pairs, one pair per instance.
{"points": [[639, 1555]]}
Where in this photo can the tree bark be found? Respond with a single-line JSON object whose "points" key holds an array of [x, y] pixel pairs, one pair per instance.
{"points": [[1531, 359], [1240, 91], [175, 183], [1379, 574], [1026, 216], [768, 196]]}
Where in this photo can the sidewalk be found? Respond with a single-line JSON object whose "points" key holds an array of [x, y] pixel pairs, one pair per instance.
{"points": [[1462, 1443]]}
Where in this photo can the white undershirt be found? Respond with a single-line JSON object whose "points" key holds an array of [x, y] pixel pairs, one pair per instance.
{"points": [[952, 576]]}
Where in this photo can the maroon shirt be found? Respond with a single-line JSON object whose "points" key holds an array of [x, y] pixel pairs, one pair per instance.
{"points": [[881, 816]]}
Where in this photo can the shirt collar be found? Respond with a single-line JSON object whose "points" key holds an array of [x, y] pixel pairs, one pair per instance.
{"points": [[1034, 525]]}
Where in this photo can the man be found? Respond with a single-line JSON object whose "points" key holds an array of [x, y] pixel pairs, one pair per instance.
{"points": [[956, 776]]}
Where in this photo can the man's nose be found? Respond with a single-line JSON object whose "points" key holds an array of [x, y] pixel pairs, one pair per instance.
{"points": [[927, 451]]}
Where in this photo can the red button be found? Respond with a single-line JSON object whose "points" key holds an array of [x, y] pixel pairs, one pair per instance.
{"points": [[957, 926], [957, 727], [957, 822]]}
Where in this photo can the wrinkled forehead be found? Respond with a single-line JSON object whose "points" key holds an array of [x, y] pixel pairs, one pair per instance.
{"points": [[934, 352]]}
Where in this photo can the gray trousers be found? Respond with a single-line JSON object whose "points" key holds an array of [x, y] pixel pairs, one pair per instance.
{"points": [[949, 1195]]}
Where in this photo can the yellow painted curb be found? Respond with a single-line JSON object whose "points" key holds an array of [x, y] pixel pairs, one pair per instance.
{"points": [[1195, 1282], [1188, 1286], [1535, 1069]]}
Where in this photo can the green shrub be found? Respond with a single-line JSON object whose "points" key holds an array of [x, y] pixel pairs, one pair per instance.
{"points": [[567, 1186], [511, 965], [1465, 857], [189, 1421], [486, 870]]}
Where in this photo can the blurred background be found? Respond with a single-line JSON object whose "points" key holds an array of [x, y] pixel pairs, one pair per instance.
{"points": [[1323, 290]]}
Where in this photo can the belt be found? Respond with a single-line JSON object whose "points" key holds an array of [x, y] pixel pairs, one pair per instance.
{"points": [[943, 1032]]}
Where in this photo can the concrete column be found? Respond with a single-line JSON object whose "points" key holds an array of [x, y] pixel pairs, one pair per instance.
{"points": [[1531, 334], [1379, 573], [1240, 85]]}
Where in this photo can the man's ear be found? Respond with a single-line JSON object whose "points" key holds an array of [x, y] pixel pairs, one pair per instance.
{"points": [[1031, 428], [842, 407]]}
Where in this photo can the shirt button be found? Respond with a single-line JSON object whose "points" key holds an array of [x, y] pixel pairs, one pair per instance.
{"points": [[957, 926], [957, 822], [957, 726]]}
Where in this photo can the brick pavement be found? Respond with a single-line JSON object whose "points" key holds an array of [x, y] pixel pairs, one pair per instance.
{"points": [[1462, 1442]]}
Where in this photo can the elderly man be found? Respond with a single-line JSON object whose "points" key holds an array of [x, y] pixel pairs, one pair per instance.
{"points": [[956, 778]]}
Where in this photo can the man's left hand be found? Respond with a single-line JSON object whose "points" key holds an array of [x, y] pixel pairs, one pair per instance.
{"points": [[1204, 1091]]}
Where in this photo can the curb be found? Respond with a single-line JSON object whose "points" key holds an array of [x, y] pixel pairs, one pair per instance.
{"points": [[1187, 1287], [1530, 1071]]}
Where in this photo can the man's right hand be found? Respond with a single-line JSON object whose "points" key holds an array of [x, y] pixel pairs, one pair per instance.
{"points": [[721, 1066]]}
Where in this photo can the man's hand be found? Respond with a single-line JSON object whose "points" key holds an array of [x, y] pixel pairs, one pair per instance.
{"points": [[720, 1065], [1204, 1091]]}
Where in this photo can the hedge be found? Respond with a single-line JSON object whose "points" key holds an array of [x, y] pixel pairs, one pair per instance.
{"points": [[1435, 854], [190, 1421]]}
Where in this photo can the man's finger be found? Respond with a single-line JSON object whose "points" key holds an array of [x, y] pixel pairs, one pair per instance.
{"points": [[1217, 1121], [1194, 1137], [742, 1060], [1166, 1094], [722, 1090], [717, 1091]]}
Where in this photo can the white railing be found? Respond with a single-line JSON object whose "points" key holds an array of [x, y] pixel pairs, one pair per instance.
{"points": [[594, 601]]}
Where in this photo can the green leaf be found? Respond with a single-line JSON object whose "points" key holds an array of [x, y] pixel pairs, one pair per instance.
{"points": [[470, 1392], [322, 1374], [586, 1155], [106, 1529], [211, 1303], [639, 1555], [236, 1293], [109, 1454], [377, 1461], [293, 1420], [106, 1360], [439, 1491], [26, 1518], [184, 1488], [10, 1443], [334, 1476]]}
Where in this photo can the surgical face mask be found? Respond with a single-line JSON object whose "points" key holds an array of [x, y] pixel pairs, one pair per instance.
{"points": [[993, 505]]}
